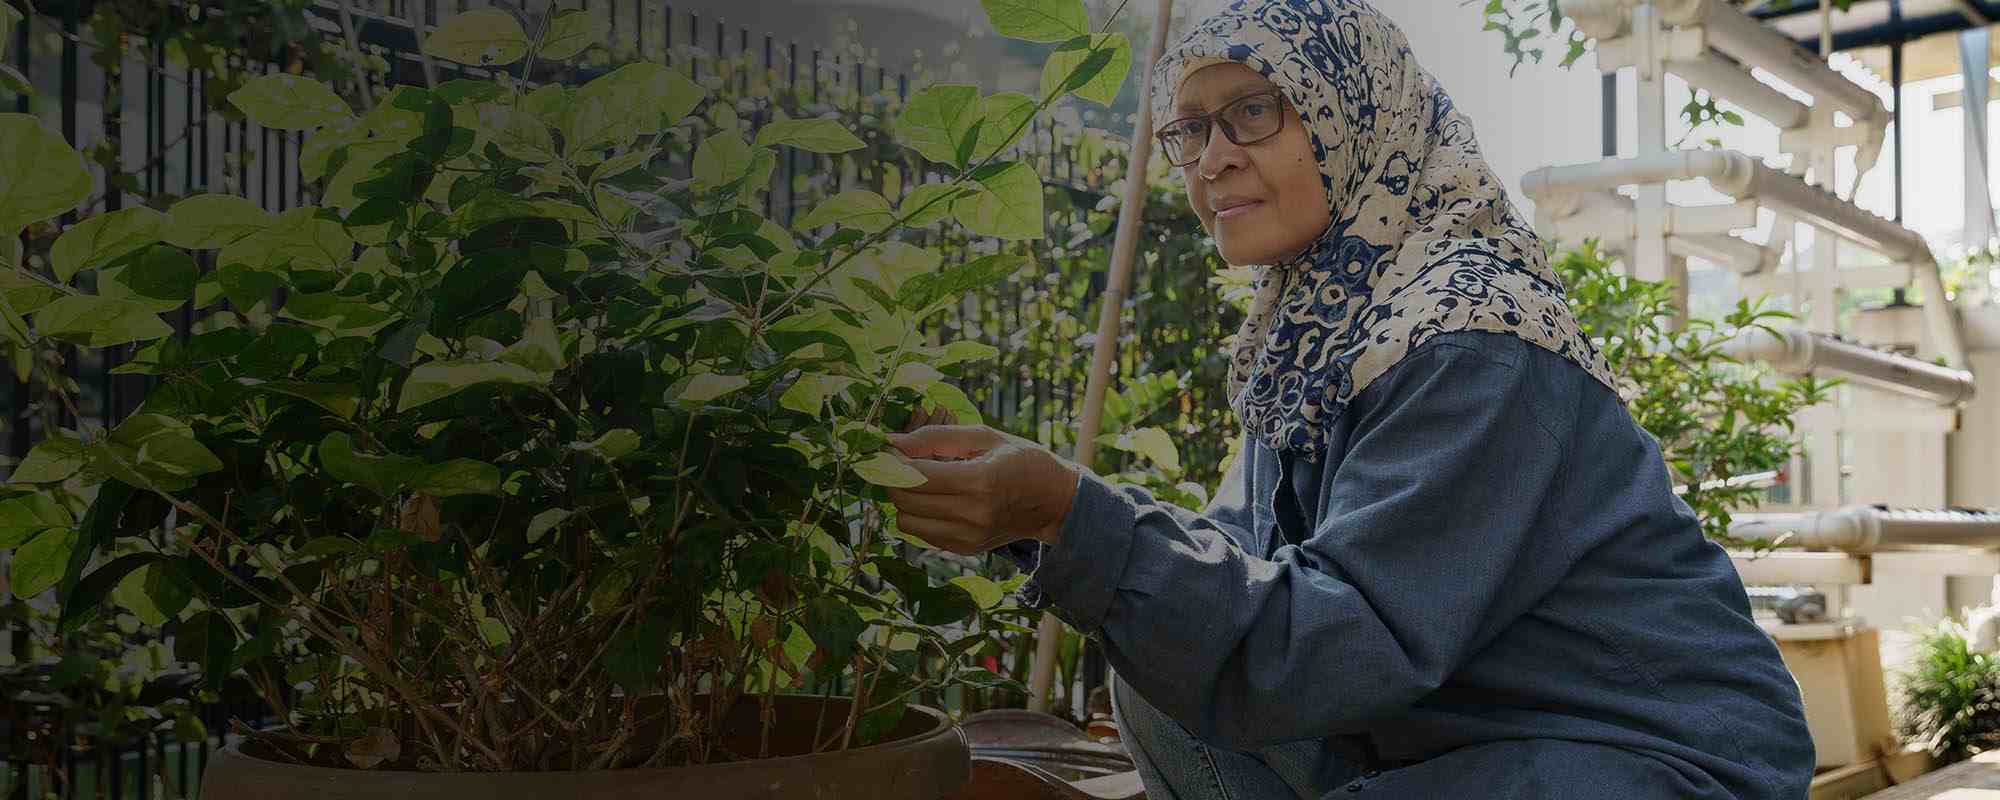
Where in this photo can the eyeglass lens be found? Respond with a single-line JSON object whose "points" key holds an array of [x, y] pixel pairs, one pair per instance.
{"points": [[1246, 121]]}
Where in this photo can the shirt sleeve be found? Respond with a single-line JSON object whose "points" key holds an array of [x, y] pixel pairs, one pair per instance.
{"points": [[1228, 510], [1415, 554]]}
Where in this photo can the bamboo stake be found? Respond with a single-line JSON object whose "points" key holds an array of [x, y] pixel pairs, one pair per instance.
{"points": [[1131, 213]]}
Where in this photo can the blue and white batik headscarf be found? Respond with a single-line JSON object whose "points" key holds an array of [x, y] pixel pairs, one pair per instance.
{"points": [[1423, 238]]}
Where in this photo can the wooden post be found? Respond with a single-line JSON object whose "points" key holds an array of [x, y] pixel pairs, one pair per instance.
{"points": [[1131, 214]]}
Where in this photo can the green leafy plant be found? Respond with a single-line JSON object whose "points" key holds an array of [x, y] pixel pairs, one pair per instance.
{"points": [[1951, 695], [514, 428], [1715, 418]]}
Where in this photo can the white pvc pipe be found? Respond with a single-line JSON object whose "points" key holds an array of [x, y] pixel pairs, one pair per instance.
{"points": [[1728, 30], [1741, 176], [1737, 85], [1797, 351], [1747, 40], [1740, 257], [1871, 529]]}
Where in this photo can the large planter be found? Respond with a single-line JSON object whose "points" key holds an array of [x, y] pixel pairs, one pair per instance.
{"points": [[925, 758]]}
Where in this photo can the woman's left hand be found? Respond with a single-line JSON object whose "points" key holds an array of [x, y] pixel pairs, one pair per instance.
{"points": [[1005, 489]]}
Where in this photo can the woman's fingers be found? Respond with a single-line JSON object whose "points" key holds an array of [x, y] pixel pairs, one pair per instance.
{"points": [[937, 505], [963, 479], [946, 534], [933, 416], [918, 419], [946, 441]]}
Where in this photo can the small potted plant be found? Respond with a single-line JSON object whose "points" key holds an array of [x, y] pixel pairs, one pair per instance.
{"points": [[513, 466]]}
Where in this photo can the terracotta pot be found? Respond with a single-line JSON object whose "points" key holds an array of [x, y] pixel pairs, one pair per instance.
{"points": [[925, 758]]}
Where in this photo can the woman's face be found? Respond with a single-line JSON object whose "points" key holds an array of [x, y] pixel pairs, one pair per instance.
{"points": [[1280, 205]]}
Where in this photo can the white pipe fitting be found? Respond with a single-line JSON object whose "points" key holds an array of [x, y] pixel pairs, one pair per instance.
{"points": [[1871, 529], [1797, 352]]}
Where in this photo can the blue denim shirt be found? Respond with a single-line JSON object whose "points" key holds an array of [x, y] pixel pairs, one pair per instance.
{"points": [[1490, 551]]}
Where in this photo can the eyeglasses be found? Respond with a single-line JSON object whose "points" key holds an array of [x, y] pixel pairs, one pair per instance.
{"points": [[1247, 120]]}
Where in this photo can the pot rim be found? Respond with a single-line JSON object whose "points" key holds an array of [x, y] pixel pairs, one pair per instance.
{"points": [[944, 727]]}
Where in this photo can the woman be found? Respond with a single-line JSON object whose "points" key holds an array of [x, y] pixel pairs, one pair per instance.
{"points": [[1447, 563]]}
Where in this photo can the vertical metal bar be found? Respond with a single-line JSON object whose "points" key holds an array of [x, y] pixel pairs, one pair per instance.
{"points": [[667, 33], [833, 162], [1610, 94], [791, 153], [156, 107], [610, 21], [1896, 97], [207, 142], [274, 198], [21, 61], [694, 41], [69, 101], [17, 448], [770, 197], [113, 123], [638, 27]]}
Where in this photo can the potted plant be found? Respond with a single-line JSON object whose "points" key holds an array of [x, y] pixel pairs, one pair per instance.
{"points": [[515, 466]]}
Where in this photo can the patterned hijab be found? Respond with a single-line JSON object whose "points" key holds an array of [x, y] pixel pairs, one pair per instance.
{"points": [[1423, 239]]}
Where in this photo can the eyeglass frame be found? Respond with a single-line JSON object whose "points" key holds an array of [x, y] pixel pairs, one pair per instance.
{"points": [[1214, 120]]}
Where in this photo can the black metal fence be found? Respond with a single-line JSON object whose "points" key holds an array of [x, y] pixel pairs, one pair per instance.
{"points": [[155, 120]]}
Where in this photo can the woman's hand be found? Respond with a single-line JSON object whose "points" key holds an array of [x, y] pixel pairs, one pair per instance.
{"points": [[984, 488]]}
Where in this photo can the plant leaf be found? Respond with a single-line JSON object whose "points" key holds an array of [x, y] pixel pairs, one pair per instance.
{"points": [[632, 100], [40, 563], [208, 221], [982, 589], [289, 102], [51, 461], [1001, 114], [455, 477], [46, 176], [1009, 205], [855, 208], [812, 135], [1156, 445], [1091, 67], [930, 202], [480, 37], [1038, 20], [883, 469], [708, 386], [834, 627], [924, 290], [937, 118], [384, 475], [93, 242], [81, 602], [573, 31], [441, 379], [722, 158], [100, 321]]}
